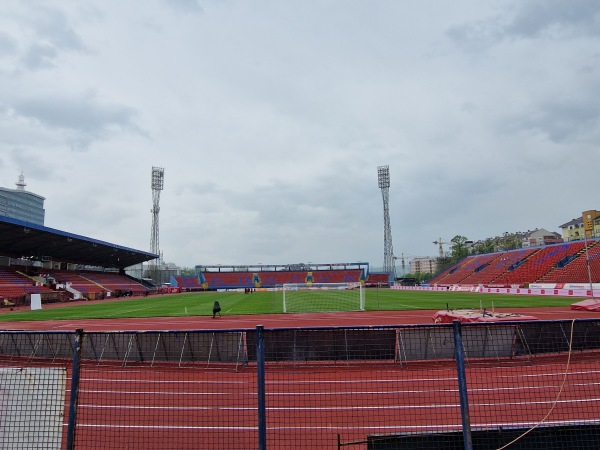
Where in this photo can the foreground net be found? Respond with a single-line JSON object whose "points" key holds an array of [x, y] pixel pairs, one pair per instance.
{"points": [[32, 404], [510, 385]]}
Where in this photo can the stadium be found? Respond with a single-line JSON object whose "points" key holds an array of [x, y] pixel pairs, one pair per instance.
{"points": [[309, 355]]}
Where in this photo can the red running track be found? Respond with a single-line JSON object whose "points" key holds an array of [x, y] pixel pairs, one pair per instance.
{"points": [[308, 408], [361, 318], [142, 407]]}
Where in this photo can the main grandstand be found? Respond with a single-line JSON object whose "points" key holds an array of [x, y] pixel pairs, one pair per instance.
{"points": [[62, 266]]}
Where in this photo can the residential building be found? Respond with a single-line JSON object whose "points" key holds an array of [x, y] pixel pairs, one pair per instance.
{"points": [[423, 264], [586, 226], [539, 237], [590, 222]]}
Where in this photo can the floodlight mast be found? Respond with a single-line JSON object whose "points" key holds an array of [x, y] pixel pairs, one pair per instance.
{"points": [[383, 177], [158, 177]]}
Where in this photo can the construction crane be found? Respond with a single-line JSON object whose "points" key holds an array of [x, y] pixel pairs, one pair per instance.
{"points": [[403, 263], [441, 244]]}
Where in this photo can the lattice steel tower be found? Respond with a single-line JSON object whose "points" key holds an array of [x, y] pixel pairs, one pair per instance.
{"points": [[383, 176], [158, 180]]}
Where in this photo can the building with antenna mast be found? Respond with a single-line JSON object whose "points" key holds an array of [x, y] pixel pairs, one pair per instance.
{"points": [[389, 266], [21, 204]]}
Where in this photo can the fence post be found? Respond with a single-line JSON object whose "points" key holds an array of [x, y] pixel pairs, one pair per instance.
{"points": [[74, 390], [260, 374], [459, 353]]}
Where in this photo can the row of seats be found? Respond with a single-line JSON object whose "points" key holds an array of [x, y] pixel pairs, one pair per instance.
{"points": [[187, 282], [558, 263], [539, 264], [468, 268], [113, 281], [577, 270], [378, 279], [233, 280], [14, 283], [500, 265], [77, 282]]}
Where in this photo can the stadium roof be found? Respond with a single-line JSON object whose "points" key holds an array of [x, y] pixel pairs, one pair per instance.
{"points": [[19, 239]]}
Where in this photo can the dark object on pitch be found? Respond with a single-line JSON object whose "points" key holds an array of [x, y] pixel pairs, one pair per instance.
{"points": [[216, 309]]}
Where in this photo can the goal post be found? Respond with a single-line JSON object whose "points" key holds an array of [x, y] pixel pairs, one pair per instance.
{"points": [[323, 297]]}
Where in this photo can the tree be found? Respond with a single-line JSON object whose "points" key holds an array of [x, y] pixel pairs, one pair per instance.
{"points": [[443, 263], [459, 249], [486, 246], [419, 276], [187, 271], [511, 241]]}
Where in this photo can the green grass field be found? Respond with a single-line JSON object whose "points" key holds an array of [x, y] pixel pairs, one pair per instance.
{"points": [[234, 303]]}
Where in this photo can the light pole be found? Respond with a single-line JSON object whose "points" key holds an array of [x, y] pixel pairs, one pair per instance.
{"points": [[157, 182], [587, 260], [383, 178]]}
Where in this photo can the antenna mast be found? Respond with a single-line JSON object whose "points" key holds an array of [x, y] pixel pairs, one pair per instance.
{"points": [[383, 177], [21, 183]]}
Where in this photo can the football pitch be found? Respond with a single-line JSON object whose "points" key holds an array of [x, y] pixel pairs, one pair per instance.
{"points": [[271, 302]]}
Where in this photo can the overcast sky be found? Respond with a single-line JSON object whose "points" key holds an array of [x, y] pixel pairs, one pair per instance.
{"points": [[271, 117]]}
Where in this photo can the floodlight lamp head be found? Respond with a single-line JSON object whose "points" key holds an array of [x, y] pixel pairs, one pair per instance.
{"points": [[383, 176], [158, 178]]}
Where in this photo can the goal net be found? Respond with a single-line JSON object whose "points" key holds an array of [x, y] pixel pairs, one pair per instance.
{"points": [[323, 297]]}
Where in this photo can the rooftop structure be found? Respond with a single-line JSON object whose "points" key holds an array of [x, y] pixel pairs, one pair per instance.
{"points": [[22, 205]]}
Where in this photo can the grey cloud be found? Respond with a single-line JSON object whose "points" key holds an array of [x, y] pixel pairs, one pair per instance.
{"points": [[36, 167], [43, 33], [325, 203], [7, 44], [187, 6], [51, 26], [83, 115], [561, 120], [531, 19], [39, 56], [577, 17], [475, 35]]}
